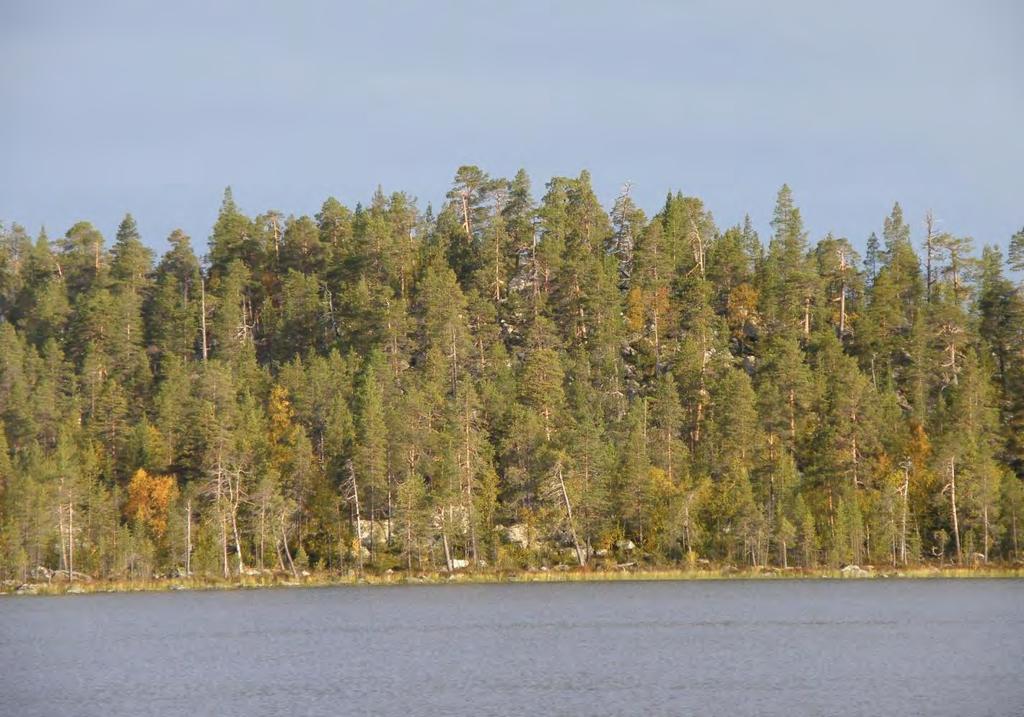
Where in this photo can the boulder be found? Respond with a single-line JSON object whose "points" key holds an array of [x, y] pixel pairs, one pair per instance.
{"points": [[27, 589], [374, 531], [40, 572], [515, 534], [459, 563], [625, 546], [854, 571]]}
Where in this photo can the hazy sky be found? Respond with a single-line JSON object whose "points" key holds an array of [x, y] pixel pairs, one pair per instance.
{"points": [[154, 107]]}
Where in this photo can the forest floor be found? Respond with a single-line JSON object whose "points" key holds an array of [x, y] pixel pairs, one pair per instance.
{"points": [[483, 576]]}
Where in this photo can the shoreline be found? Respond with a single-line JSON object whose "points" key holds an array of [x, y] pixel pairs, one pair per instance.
{"points": [[204, 584]]}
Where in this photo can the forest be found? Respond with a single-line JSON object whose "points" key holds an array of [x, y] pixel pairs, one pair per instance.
{"points": [[518, 379]]}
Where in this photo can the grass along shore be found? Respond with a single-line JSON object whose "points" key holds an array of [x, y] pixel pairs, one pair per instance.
{"points": [[325, 579]]}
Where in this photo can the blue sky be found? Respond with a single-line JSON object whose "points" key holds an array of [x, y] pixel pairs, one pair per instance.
{"points": [[154, 107]]}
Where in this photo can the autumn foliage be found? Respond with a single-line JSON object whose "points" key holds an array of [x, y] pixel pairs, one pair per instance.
{"points": [[149, 498]]}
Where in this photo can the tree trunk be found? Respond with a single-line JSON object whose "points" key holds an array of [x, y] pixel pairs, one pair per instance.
{"points": [[1013, 527], [236, 489], [359, 519], [188, 538], [71, 541], [952, 502], [63, 544], [572, 528], [985, 521], [469, 484], [202, 313], [287, 552], [224, 543], [842, 293], [903, 526], [447, 550]]}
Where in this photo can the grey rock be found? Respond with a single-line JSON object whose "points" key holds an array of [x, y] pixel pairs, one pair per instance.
{"points": [[515, 534], [854, 571]]}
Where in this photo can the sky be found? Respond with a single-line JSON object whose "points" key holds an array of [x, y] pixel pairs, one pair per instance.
{"points": [[154, 108]]}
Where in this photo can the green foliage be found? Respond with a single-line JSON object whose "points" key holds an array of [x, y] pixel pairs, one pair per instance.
{"points": [[510, 383]]}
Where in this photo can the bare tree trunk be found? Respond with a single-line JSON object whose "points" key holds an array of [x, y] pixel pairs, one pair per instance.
{"points": [[391, 478], [287, 552], [202, 313], [408, 542], [224, 543], [929, 253], [903, 527], [469, 485], [697, 243], [465, 217], [572, 527], [63, 545], [447, 550], [497, 266], [842, 293], [359, 518], [985, 521], [222, 518], [71, 541], [952, 502], [263, 531], [280, 557], [188, 538], [235, 499]]}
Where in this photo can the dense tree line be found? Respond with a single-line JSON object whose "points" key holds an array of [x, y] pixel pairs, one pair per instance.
{"points": [[511, 381]]}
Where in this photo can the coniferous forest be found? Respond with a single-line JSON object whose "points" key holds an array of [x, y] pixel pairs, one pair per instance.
{"points": [[521, 378]]}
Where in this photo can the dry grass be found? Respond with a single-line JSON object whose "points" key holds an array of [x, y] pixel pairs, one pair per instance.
{"points": [[524, 576]]}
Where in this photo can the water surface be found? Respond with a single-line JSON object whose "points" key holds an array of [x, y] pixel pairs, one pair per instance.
{"points": [[920, 647]]}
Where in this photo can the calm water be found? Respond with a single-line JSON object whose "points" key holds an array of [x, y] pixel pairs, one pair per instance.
{"points": [[691, 648]]}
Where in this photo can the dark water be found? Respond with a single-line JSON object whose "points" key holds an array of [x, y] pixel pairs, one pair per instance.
{"points": [[691, 648]]}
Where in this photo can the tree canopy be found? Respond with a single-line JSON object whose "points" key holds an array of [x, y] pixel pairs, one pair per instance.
{"points": [[510, 381]]}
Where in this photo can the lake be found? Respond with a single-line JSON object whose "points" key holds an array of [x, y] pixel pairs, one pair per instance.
{"points": [[805, 647]]}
